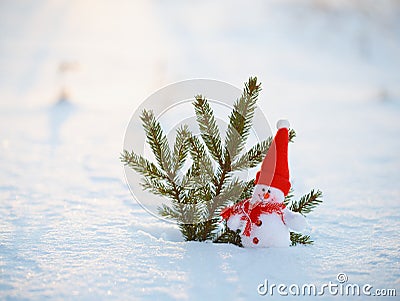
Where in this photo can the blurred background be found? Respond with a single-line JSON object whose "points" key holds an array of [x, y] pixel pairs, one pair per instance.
{"points": [[113, 53]]}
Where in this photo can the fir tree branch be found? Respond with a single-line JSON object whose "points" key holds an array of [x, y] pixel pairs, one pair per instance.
{"points": [[189, 231], [161, 150], [168, 212], [201, 194], [157, 141], [292, 135], [192, 177], [222, 176], [142, 166], [206, 229], [253, 156], [200, 157], [247, 190], [158, 188], [229, 193], [288, 197], [237, 133], [307, 203], [190, 213], [229, 236], [208, 128], [298, 238], [181, 148], [240, 120], [185, 212]]}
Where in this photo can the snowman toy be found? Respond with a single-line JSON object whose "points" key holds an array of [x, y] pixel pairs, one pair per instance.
{"points": [[264, 220]]}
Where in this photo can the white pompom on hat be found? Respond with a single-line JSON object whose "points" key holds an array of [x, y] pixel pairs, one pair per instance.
{"points": [[283, 123]]}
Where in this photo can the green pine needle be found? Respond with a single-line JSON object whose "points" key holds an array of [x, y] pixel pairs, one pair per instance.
{"points": [[200, 157], [288, 197], [307, 203], [168, 212], [157, 141], [158, 187], [292, 135], [181, 148], [240, 120], [297, 238], [247, 191], [229, 193], [229, 236], [208, 128], [142, 166]]}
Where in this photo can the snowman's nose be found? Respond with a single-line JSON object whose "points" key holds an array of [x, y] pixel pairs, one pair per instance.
{"points": [[266, 196]]}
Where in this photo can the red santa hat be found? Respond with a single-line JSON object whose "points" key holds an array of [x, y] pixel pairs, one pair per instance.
{"points": [[274, 168]]}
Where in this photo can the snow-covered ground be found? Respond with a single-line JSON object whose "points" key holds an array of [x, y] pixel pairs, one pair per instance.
{"points": [[69, 227]]}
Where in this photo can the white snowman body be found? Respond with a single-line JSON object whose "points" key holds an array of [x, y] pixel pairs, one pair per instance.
{"points": [[271, 229], [271, 233]]}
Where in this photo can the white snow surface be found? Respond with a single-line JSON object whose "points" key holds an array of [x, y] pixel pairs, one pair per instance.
{"points": [[69, 227]]}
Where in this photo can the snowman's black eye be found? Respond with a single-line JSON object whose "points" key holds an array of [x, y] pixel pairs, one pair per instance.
{"points": [[263, 189], [269, 191]]}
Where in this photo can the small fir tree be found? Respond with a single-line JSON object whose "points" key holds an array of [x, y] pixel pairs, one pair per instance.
{"points": [[200, 193]]}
